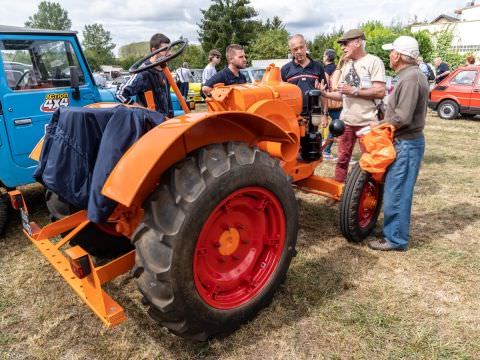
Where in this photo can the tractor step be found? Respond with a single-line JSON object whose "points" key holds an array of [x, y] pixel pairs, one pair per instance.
{"points": [[74, 263]]}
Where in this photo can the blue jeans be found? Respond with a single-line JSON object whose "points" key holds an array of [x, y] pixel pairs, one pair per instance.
{"points": [[398, 192]]}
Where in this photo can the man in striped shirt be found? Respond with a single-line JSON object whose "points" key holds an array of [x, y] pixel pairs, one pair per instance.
{"points": [[152, 80]]}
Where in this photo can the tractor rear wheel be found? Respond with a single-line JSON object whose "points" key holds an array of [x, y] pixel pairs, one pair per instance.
{"points": [[217, 240], [4, 209], [360, 205]]}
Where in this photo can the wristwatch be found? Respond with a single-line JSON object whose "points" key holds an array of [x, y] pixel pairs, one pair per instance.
{"points": [[355, 91]]}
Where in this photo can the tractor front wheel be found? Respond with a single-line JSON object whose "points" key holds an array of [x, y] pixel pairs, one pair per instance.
{"points": [[360, 205], [217, 240]]}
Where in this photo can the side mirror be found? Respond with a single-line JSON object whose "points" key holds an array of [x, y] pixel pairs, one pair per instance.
{"points": [[75, 82]]}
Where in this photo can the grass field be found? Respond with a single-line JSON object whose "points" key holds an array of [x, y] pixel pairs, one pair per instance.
{"points": [[340, 300]]}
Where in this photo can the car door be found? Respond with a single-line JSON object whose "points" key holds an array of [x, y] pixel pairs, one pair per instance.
{"points": [[461, 87], [475, 99], [37, 70]]}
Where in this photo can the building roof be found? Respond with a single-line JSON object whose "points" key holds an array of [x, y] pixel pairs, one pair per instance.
{"points": [[4, 29], [446, 17]]}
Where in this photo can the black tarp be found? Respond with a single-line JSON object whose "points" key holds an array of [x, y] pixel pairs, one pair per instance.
{"points": [[82, 146]]}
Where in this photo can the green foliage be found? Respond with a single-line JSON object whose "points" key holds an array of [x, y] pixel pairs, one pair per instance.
{"points": [[98, 46], [228, 22], [270, 44], [128, 61], [275, 23], [136, 49], [426, 45], [443, 43], [322, 42], [50, 15], [194, 55]]}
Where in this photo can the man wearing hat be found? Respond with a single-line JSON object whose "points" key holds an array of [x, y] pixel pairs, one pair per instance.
{"points": [[362, 84], [406, 110]]}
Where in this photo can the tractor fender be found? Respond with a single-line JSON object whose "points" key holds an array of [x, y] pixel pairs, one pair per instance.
{"points": [[137, 173]]}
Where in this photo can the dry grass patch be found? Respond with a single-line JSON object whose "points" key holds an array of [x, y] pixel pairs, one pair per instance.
{"points": [[340, 301]]}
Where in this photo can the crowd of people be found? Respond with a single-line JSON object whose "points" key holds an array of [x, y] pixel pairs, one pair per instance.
{"points": [[352, 89]]}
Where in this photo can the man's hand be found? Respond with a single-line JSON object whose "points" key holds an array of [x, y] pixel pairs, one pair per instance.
{"points": [[346, 89], [322, 86]]}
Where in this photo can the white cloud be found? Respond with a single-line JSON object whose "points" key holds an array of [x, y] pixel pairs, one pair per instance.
{"points": [[137, 20]]}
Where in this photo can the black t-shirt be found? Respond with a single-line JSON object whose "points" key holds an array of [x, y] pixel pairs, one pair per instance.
{"points": [[330, 68], [227, 77], [440, 70], [303, 77]]}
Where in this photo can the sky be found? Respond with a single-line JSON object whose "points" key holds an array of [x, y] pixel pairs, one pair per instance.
{"points": [[136, 20]]}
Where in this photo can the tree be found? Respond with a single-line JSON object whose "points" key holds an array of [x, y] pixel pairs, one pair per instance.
{"points": [[228, 22], [325, 41], [275, 23], [50, 15], [136, 49], [194, 55], [271, 44], [442, 48], [98, 45]]}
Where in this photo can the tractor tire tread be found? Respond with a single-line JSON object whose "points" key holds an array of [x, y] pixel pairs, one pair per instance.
{"points": [[167, 215]]}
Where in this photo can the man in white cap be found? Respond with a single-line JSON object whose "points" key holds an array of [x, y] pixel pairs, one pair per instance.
{"points": [[406, 110]]}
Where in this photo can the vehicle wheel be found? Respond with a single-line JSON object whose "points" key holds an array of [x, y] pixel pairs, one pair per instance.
{"points": [[4, 210], [448, 110], [360, 205], [217, 240]]}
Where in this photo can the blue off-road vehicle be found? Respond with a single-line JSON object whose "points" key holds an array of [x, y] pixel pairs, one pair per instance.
{"points": [[40, 71]]}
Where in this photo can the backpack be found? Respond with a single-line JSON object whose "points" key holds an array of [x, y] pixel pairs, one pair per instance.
{"points": [[431, 74]]}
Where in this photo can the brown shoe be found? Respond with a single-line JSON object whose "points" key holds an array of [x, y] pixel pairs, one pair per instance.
{"points": [[383, 245]]}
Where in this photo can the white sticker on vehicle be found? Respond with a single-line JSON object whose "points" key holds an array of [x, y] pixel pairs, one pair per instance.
{"points": [[53, 101]]}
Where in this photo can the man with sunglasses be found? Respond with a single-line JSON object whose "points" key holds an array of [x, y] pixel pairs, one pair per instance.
{"points": [[362, 85], [151, 83]]}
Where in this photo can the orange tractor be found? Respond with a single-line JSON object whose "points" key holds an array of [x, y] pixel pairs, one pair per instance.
{"points": [[206, 212]]}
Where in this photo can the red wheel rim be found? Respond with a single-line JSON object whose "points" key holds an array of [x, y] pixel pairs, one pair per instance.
{"points": [[368, 203], [239, 248]]}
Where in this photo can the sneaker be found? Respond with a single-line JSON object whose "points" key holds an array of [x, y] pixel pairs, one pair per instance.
{"points": [[327, 156], [383, 245]]}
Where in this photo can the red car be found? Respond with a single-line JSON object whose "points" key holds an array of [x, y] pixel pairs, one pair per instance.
{"points": [[457, 94]]}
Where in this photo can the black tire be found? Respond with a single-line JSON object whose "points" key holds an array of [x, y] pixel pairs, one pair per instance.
{"points": [[4, 211], [448, 110], [354, 229], [174, 217]]}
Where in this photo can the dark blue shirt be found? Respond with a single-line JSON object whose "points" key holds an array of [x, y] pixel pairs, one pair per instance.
{"points": [[303, 77], [330, 68], [440, 70], [227, 77]]}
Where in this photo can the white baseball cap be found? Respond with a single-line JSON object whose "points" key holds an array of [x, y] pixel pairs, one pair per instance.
{"points": [[405, 45]]}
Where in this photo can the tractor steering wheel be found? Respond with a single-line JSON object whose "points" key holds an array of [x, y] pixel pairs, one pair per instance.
{"points": [[21, 78], [137, 67]]}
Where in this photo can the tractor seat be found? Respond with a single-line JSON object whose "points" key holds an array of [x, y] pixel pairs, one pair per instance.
{"points": [[81, 148]]}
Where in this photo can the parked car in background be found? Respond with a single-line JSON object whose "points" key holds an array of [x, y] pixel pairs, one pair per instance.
{"points": [[457, 94], [253, 74], [195, 87]]}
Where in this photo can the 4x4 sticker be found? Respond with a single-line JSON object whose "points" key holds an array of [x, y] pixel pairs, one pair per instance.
{"points": [[54, 101]]}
